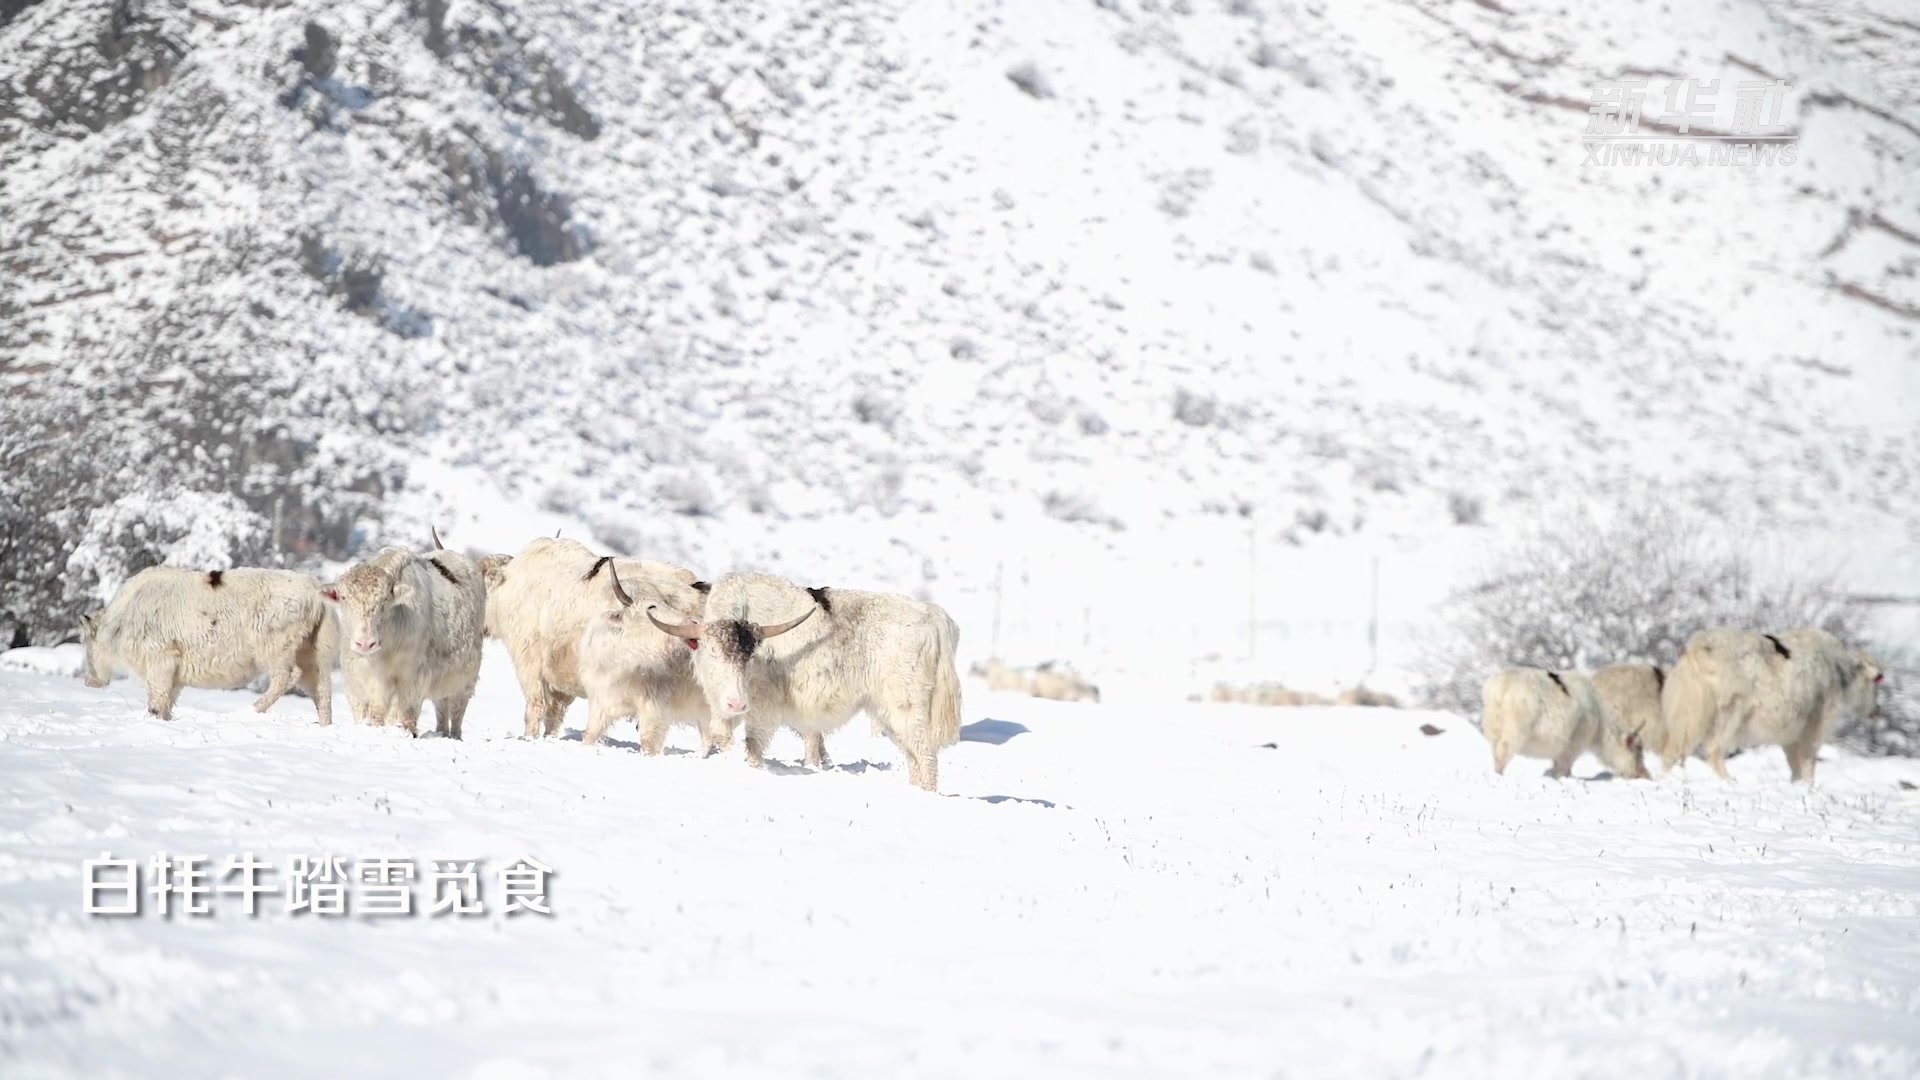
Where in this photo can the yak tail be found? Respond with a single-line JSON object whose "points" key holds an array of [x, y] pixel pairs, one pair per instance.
{"points": [[324, 641], [1689, 707], [319, 654], [945, 728]]}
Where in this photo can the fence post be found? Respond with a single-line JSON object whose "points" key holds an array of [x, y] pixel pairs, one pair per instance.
{"points": [[1373, 625], [1253, 588], [999, 583]]}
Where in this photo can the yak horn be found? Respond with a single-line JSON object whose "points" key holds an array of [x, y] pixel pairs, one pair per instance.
{"points": [[777, 629], [690, 631], [437, 545], [625, 600]]}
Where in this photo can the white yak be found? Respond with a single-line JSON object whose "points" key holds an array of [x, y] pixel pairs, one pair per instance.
{"points": [[540, 603], [771, 653], [1735, 688], [1553, 714], [1631, 692], [414, 626], [217, 630], [630, 669]]}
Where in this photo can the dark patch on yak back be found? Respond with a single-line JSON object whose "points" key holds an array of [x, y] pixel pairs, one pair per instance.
{"points": [[442, 567], [702, 587], [1779, 647], [214, 578], [597, 564], [820, 597], [1659, 677], [1557, 681]]}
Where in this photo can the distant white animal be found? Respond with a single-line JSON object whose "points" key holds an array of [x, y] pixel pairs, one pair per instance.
{"points": [[630, 669], [1631, 693], [218, 630], [1050, 679], [540, 604], [414, 626], [1056, 681], [1735, 688], [821, 656], [1553, 714]]}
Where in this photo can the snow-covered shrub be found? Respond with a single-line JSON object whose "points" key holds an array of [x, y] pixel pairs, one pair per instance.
{"points": [[1896, 731], [1635, 588], [687, 493], [1194, 410], [1079, 508], [1466, 509], [1030, 79], [196, 530]]}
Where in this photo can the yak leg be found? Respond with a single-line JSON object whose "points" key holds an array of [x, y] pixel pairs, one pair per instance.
{"points": [[817, 751], [907, 726], [923, 769], [1563, 765], [163, 686], [759, 736], [284, 673], [319, 686], [601, 715], [1717, 760], [557, 706], [1803, 753], [653, 732], [450, 714], [1502, 754], [410, 719], [716, 735]]}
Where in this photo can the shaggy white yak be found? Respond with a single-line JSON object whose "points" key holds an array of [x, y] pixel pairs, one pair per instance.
{"points": [[413, 625], [630, 669], [819, 657], [1631, 693], [540, 604], [1735, 688], [216, 630], [1557, 715]]}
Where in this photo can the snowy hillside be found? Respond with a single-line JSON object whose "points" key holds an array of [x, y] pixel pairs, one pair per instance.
{"points": [[1101, 299], [1104, 891]]}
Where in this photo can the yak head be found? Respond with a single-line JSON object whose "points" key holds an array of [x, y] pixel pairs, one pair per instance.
{"points": [[1623, 751], [97, 668], [370, 598], [1862, 692], [723, 651]]}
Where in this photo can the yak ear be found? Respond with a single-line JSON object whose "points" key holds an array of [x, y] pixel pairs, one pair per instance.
{"points": [[330, 592], [402, 591]]}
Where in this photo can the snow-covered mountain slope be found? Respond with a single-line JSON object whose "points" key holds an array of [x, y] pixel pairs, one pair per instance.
{"points": [[1117, 291], [1102, 891]]}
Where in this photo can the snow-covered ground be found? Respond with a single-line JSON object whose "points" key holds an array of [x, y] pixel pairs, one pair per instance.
{"points": [[1103, 890]]}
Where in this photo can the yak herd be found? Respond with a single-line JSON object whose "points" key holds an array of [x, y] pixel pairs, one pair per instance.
{"points": [[639, 640], [651, 642], [1730, 689]]}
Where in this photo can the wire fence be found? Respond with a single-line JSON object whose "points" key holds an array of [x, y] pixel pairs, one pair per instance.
{"points": [[1320, 620]]}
